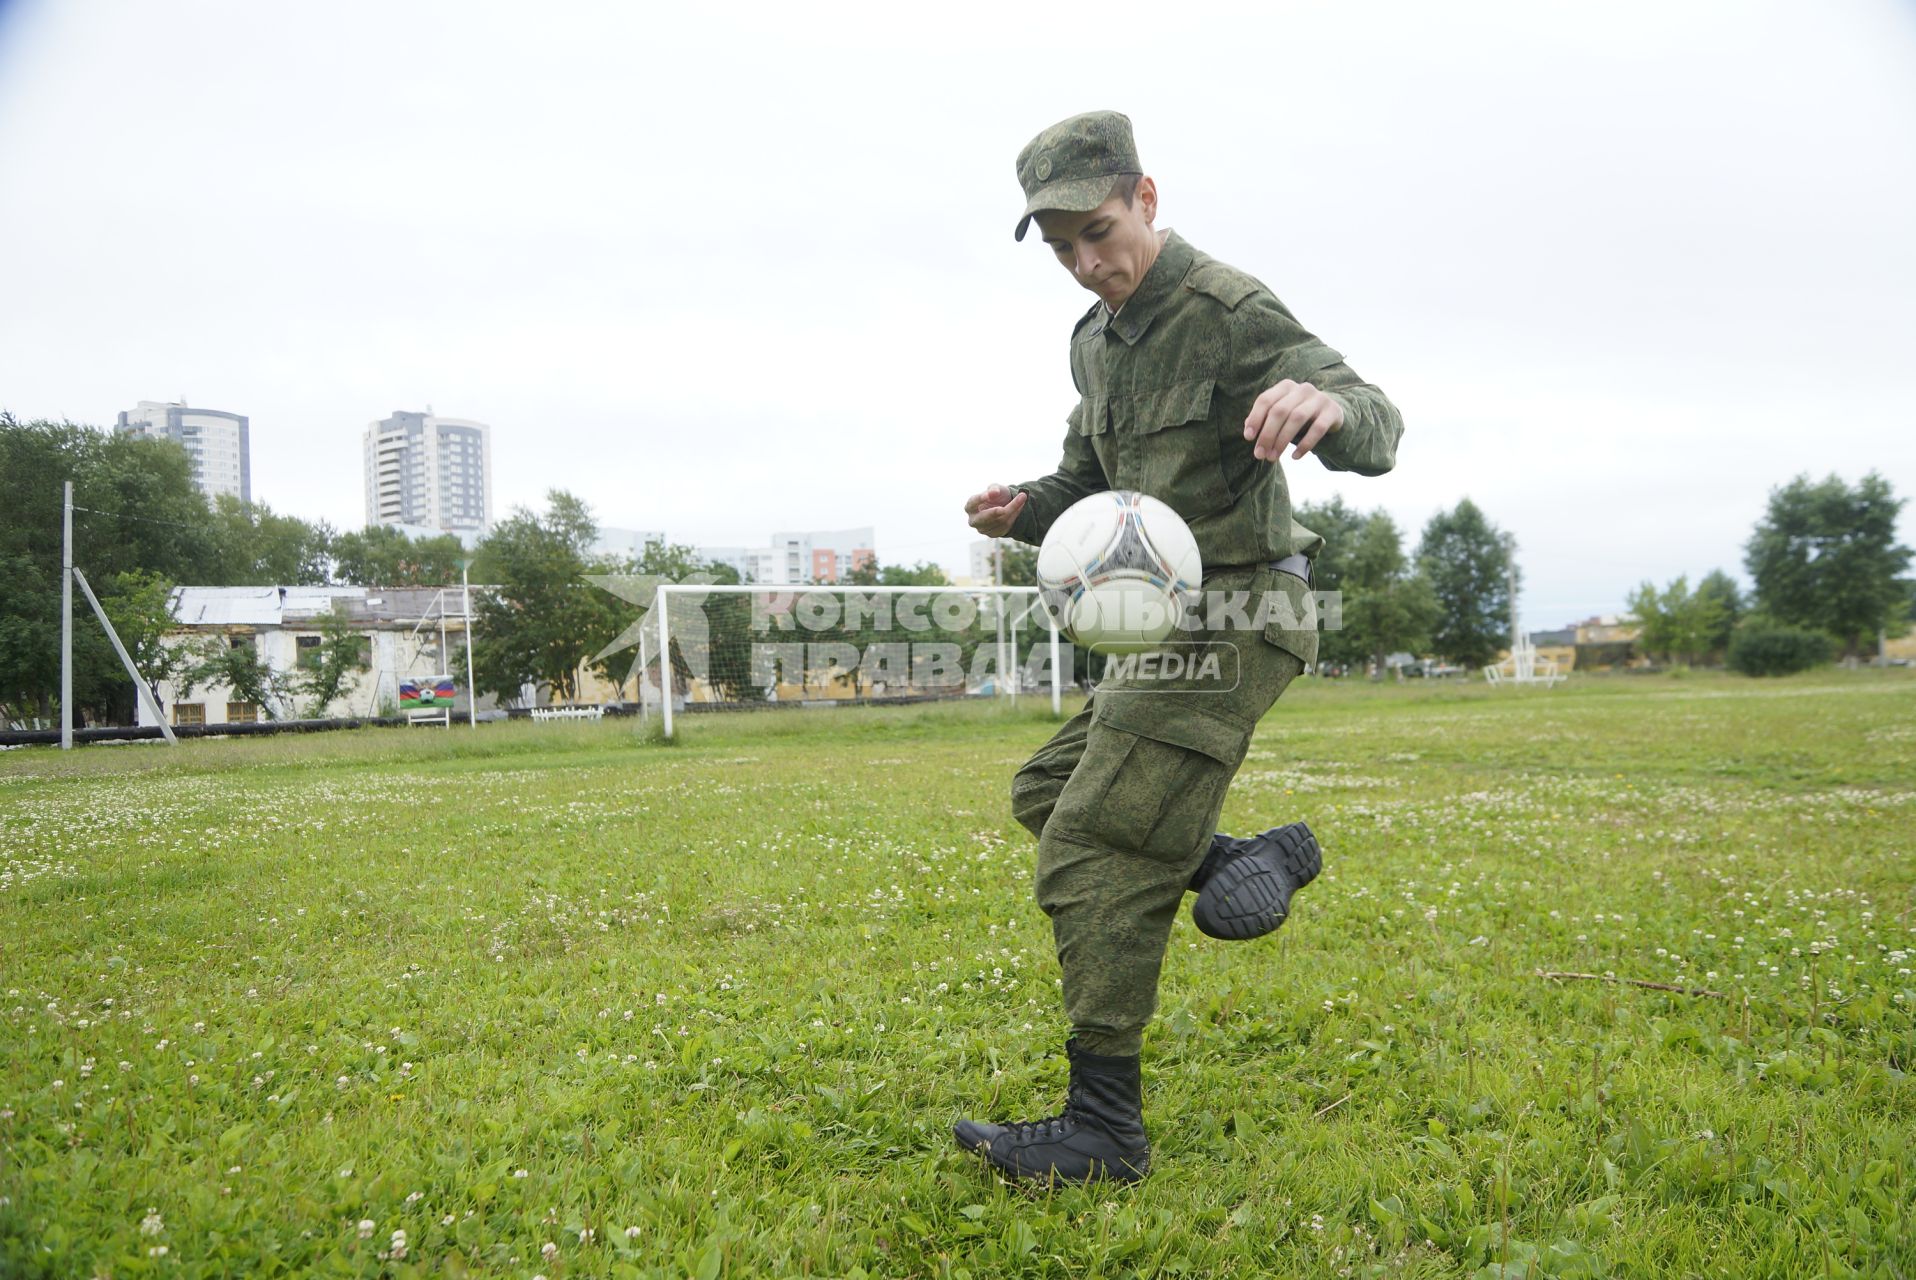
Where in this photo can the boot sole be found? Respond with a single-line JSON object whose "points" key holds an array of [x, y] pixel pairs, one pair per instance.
{"points": [[1250, 895]]}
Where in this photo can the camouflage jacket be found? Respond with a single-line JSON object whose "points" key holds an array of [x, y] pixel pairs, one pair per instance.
{"points": [[1164, 387]]}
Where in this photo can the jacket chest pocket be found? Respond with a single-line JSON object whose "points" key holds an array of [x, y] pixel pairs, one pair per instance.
{"points": [[1172, 445]]}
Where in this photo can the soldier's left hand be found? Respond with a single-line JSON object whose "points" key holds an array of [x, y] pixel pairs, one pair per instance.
{"points": [[1291, 413]]}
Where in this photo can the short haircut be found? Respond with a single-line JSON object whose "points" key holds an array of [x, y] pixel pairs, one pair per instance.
{"points": [[1127, 187]]}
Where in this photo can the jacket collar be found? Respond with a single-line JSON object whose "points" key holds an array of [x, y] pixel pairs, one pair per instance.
{"points": [[1175, 258]]}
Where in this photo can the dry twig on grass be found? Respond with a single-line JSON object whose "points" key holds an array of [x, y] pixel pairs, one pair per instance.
{"points": [[1633, 982], [1323, 1111]]}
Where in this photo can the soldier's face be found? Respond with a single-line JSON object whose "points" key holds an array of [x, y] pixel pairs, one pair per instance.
{"points": [[1109, 249]]}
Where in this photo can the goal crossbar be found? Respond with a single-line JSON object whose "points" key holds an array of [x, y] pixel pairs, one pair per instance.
{"points": [[793, 591]]}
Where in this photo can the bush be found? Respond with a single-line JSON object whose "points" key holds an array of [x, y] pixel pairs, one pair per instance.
{"points": [[1760, 648]]}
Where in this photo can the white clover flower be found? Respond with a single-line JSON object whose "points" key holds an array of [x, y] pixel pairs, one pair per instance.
{"points": [[366, 1226], [548, 1250], [631, 1233], [151, 1225]]}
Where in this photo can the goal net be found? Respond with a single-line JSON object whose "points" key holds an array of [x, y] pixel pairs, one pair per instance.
{"points": [[720, 647]]}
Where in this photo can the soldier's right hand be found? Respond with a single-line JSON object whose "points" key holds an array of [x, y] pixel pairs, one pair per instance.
{"points": [[994, 511]]}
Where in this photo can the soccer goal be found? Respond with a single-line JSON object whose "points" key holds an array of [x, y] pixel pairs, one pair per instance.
{"points": [[710, 647]]}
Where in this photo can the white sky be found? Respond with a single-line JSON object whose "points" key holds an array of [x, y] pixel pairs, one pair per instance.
{"points": [[727, 269]]}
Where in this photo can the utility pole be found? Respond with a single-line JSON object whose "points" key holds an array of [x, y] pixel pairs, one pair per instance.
{"points": [[1510, 581], [998, 604], [66, 621], [472, 692]]}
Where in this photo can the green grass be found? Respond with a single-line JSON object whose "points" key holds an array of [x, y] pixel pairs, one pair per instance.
{"points": [[718, 1002]]}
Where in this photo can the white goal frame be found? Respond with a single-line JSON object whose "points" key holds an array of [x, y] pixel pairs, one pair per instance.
{"points": [[664, 640]]}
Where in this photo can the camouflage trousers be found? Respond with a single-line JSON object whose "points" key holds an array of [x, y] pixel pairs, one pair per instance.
{"points": [[1123, 800]]}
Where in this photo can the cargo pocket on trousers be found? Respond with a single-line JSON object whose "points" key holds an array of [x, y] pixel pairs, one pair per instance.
{"points": [[1290, 614], [1171, 763]]}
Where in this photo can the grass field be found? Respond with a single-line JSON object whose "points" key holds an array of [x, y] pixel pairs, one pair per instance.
{"points": [[557, 1000]]}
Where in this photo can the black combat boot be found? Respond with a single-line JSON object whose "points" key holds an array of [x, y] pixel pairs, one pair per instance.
{"points": [[1098, 1136], [1244, 887]]}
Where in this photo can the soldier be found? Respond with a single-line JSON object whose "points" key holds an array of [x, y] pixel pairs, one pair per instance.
{"points": [[1192, 379]]}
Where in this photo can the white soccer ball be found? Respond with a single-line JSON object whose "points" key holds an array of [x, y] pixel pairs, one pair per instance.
{"points": [[1116, 569]]}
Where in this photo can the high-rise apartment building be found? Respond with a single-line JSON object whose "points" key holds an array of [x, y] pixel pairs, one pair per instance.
{"points": [[429, 472], [984, 558], [216, 442], [798, 558]]}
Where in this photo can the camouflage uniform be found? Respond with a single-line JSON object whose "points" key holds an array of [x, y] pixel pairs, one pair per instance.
{"points": [[1124, 798]]}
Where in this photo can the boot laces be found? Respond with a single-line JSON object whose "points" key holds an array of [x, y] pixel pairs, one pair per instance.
{"points": [[1049, 1129]]}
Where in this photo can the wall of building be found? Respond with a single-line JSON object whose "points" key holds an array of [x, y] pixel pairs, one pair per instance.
{"points": [[394, 655]]}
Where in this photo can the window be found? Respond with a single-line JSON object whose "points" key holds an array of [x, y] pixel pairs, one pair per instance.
{"points": [[189, 713], [308, 656], [242, 713]]}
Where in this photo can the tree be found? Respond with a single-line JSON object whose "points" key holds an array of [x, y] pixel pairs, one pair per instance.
{"points": [[1764, 647], [238, 666], [543, 621], [1017, 564], [136, 512], [1342, 527], [381, 556], [1019, 568], [341, 651], [1825, 557], [1721, 587], [1469, 564], [254, 546], [873, 574], [140, 606], [1386, 606], [1676, 621]]}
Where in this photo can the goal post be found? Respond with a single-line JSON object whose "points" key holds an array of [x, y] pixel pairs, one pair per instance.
{"points": [[725, 646]]}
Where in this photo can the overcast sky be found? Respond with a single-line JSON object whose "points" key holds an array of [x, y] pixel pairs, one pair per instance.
{"points": [[727, 269]]}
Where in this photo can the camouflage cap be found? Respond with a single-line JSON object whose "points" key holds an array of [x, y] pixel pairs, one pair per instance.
{"points": [[1074, 164]]}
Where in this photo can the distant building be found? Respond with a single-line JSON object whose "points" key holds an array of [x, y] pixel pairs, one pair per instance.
{"points": [[1608, 628], [399, 629], [798, 559], [983, 570], [825, 556], [625, 544], [764, 565], [429, 472], [1607, 641], [217, 445]]}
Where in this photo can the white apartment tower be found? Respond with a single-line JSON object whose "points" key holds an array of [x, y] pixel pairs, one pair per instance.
{"points": [[429, 472], [216, 443]]}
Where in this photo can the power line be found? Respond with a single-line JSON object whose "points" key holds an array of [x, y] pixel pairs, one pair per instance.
{"points": [[127, 515]]}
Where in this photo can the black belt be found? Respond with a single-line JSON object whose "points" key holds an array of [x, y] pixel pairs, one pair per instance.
{"points": [[1298, 566]]}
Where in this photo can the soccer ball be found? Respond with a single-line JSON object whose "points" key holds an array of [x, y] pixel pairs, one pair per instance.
{"points": [[1116, 569]]}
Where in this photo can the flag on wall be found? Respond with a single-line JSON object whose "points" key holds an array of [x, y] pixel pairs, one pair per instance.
{"points": [[415, 694]]}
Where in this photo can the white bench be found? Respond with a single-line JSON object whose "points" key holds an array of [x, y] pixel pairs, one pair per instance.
{"points": [[568, 713], [442, 716]]}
